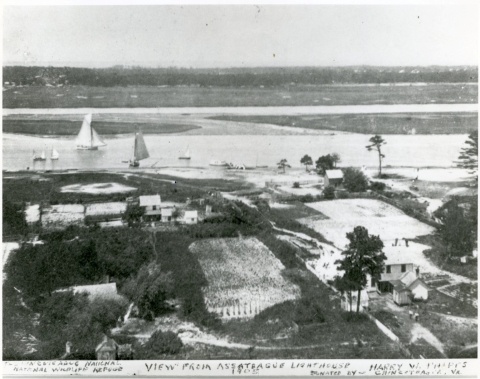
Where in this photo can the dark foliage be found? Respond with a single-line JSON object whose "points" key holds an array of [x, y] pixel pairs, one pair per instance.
{"points": [[325, 162], [329, 192], [354, 180], [164, 343], [364, 255], [377, 186], [13, 218]]}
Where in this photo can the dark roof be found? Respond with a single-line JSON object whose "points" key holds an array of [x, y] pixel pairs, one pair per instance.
{"points": [[398, 285]]}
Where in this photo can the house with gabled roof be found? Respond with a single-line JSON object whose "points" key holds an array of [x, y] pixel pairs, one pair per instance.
{"points": [[152, 206], [333, 177], [401, 280]]}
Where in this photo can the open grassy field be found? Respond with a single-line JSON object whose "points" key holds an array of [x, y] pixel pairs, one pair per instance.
{"points": [[143, 96], [25, 187], [377, 216], [65, 127], [397, 123], [242, 271]]}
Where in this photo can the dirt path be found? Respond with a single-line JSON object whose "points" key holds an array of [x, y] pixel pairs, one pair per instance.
{"points": [[414, 329], [418, 331]]}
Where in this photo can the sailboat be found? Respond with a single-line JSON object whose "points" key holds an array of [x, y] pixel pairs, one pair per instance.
{"points": [[139, 150], [54, 156], [41, 157], [187, 154], [87, 138]]}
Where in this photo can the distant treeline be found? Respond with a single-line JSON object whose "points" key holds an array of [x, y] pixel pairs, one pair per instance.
{"points": [[234, 77]]}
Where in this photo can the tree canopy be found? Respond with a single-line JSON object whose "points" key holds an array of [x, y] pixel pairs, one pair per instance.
{"points": [[283, 164], [364, 256], [376, 143], [306, 160], [325, 162], [468, 158], [354, 180], [458, 231]]}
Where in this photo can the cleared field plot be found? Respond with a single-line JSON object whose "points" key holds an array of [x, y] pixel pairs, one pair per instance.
{"points": [[60, 216], [101, 209], [244, 276], [379, 218], [97, 188]]}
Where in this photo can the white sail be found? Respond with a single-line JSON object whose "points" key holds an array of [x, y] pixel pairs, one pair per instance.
{"points": [[55, 154], [139, 149], [187, 153], [96, 140], [88, 137], [43, 156]]}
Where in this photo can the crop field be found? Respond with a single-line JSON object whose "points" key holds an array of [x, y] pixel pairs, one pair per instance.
{"points": [[184, 96], [398, 123], [242, 271]]}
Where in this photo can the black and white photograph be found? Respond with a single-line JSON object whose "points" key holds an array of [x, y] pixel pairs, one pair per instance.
{"points": [[240, 183]]}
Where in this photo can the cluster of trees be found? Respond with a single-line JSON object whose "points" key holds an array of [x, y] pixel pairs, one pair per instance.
{"points": [[363, 256], [65, 316], [77, 256], [233, 77], [13, 218], [459, 231], [468, 158], [325, 162]]}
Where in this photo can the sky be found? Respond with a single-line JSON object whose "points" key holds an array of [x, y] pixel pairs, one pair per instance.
{"points": [[241, 35]]}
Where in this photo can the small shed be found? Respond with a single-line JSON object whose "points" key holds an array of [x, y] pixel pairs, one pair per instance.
{"points": [[107, 350], [401, 294], [333, 177], [167, 214], [191, 217], [419, 289]]}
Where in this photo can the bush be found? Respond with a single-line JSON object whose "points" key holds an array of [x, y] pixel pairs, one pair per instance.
{"points": [[329, 192], [354, 180], [308, 311], [296, 185], [354, 317], [377, 186], [164, 343]]}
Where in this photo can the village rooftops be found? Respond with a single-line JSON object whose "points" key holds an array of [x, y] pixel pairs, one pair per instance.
{"points": [[334, 174], [151, 200]]}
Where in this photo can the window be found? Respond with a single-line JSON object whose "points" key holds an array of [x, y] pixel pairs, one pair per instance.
{"points": [[404, 268], [389, 269], [372, 282], [154, 207]]}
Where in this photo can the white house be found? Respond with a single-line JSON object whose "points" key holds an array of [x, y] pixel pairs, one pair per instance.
{"points": [[152, 205], [401, 280], [167, 214], [333, 177], [191, 217]]}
